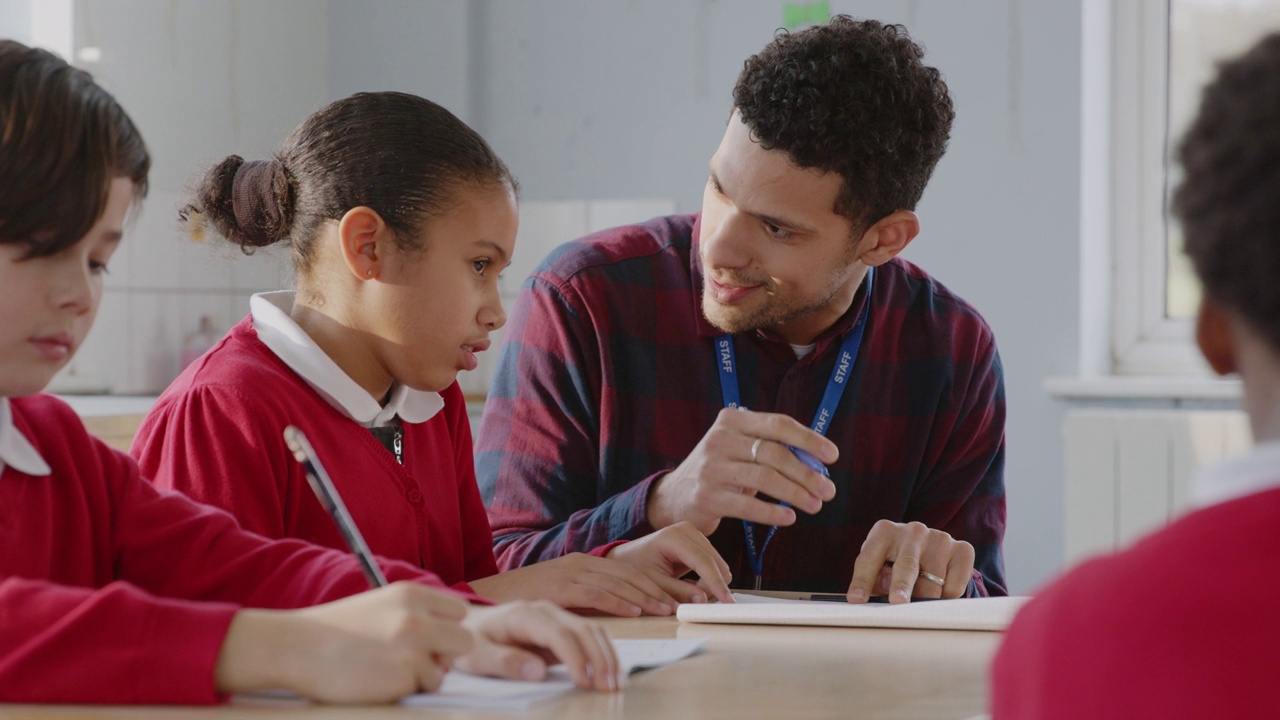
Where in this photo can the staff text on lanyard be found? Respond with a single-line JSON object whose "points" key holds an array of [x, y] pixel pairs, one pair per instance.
{"points": [[821, 420]]}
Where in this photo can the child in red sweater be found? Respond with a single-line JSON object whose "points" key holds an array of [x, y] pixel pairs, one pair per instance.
{"points": [[113, 591], [1184, 623], [399, 217]]}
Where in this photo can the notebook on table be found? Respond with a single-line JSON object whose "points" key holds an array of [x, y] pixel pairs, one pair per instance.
{"points": [[462, 690], [962, 614]]}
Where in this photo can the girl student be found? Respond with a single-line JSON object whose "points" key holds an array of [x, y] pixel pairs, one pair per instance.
{"points": [[112, 591], [399, 217]]}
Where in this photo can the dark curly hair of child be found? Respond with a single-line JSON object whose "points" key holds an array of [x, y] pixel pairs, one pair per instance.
{"points": [[1229, 201]]}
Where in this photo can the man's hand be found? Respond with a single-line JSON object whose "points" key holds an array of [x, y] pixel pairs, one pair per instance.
{"points": [[669, 553], [925, 563], [744, 453]]}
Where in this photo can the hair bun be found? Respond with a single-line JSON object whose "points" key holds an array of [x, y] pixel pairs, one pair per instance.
{"points": [[249, 203], [262, 201]]}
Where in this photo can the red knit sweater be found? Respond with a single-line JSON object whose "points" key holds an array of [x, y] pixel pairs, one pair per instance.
{"points": [[215, 434], [114, 592], [1183, 625]]}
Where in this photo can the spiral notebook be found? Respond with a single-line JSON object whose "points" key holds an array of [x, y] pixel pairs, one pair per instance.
{"points": [[963, 614]]}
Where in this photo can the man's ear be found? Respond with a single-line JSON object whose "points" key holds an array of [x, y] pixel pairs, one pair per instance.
{"points": [[362, 235], [889, 236], [1216, 336]]}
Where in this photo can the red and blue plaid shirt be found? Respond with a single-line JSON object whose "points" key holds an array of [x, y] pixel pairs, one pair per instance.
{"points": [[607, 379]]}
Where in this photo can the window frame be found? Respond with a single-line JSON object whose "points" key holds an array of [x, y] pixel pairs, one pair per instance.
{"points": [[1144, 341]]}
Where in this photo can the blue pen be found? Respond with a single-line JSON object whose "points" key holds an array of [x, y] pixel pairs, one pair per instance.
{"points": [[332, 502], [810, 460]]}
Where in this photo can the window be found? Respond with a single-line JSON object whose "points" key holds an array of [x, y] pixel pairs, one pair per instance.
{"points": [[1162, 54]]}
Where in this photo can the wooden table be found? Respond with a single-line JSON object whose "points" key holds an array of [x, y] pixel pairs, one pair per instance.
{"points": [[746, 672]]}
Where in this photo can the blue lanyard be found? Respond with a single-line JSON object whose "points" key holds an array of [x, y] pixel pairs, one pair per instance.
{"points": [[821, 420]]}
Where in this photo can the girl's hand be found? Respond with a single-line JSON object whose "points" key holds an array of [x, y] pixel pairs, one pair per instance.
{"points": [[581, 582], [669, 553], [518, 640], [638, 577], [374, 647]]}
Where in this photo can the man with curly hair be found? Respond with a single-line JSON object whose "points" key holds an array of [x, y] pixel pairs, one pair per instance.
{"points": [[770, 361], [1159, 630]]}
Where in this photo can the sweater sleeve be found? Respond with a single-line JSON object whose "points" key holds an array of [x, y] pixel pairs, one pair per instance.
{"points": [[538, 451], [964, 495], [115, 644], [198, 443]]}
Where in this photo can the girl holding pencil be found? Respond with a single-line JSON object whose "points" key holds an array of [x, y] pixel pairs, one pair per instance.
{"points": [[114, 592]]}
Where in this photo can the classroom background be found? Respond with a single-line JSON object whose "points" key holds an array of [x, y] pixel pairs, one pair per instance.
{"points": [[1047, 212]]}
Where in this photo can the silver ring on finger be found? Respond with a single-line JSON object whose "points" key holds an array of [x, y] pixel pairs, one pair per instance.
{"points": [[932, 578], [755, 449]]}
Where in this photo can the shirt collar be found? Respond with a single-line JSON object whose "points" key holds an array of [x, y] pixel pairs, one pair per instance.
{"points": [[1236, 477], [277, 330], [15, 450], [706, 329]]}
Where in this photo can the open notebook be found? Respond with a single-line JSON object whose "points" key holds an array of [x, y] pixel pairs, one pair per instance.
{"points": [[963, 614], [461, 690]]}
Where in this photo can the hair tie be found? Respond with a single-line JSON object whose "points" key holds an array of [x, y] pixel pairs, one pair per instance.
{"points": [[261, 200]]}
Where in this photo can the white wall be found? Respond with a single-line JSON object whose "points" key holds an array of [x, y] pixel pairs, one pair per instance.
{"points": [[415, 46], [15, 20], [202, 80]]}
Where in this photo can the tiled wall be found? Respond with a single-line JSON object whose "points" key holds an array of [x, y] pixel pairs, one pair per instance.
{"points": [[160, 284]]}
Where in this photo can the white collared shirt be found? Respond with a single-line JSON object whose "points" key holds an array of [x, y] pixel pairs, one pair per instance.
{"points": [[16, 450], [277, 330], [1236, 477]]}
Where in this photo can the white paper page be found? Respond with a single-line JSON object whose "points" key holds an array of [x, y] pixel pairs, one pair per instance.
{"points": [[470, 691], [962, 614]]}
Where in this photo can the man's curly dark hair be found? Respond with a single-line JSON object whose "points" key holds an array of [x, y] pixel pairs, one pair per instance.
{"points": [[1229, 201], [851, 97]]}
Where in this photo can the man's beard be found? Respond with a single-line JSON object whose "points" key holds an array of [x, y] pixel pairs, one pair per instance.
{"points": [[772, 313]]}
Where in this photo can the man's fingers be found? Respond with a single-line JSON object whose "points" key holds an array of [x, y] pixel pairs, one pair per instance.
{"points": [[783, 429], [913, 541], [869, 563], [933, 566], [753, 509], [959, 570], [778, 473]]}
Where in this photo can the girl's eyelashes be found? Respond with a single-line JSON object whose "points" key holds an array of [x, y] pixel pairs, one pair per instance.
{"points": [[98, 268]]}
